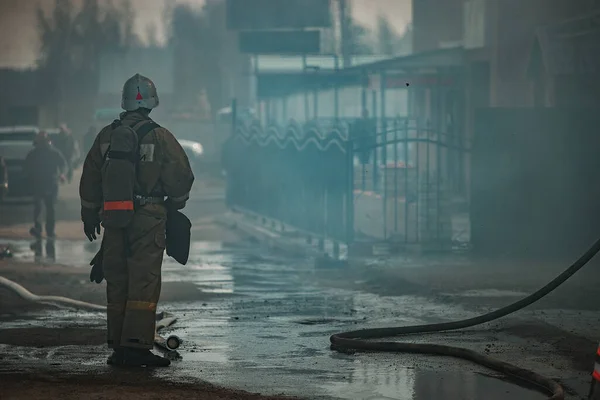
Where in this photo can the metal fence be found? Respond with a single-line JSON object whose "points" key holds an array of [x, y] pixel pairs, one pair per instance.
{"points": [[392, 180], [296, 174], [410, 181]]}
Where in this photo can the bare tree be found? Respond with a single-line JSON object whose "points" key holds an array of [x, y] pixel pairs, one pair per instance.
{"points": [[387, 38], [206, 53], [72, 43]]}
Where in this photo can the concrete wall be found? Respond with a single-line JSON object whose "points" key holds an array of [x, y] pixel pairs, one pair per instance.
{"points": [[515, 23]]}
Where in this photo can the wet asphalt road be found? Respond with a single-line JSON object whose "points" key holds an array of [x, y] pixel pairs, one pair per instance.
{"points": [[269, 331]]}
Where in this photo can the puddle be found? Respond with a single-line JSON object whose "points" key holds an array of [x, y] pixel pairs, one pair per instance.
{"points": [[413, 384], [273, 336]]}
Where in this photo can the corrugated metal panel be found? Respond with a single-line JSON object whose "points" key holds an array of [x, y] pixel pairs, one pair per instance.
{"points": [[155, 63]]}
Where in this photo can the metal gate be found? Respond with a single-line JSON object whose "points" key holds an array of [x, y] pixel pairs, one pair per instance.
{"points": [[356, 182], [409, 184]]}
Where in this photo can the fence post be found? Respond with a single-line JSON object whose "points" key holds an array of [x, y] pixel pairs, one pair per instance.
{"points": [[407, 195], [350, 192], [384, 151], [336, 92], [396, 175], [374, 133]]}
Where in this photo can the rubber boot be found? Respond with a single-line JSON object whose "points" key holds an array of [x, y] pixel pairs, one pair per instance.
{"points": [[144, 358], [594, 390], [116, 358]]}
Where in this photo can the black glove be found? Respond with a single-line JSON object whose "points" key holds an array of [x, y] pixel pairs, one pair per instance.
{"points": [[97, 273], [91, 230], [174, 205], [91, 222]]}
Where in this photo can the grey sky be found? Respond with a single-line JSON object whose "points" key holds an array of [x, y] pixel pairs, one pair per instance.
{"points": [[18, 32]]}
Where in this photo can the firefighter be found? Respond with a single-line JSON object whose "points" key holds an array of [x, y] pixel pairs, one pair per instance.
{"points": [[132, 257], [45, 167]]}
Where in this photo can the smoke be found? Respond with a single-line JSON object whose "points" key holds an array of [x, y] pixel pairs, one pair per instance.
{"points": [[19, 41]]}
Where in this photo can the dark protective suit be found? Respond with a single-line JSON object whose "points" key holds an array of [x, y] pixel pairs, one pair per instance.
{"points": [[363, 134], [132, 257], [44, 165]]}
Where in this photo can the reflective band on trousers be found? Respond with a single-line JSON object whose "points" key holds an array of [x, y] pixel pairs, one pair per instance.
{"points": [[596, 374], [118, 205], [141, 305]]}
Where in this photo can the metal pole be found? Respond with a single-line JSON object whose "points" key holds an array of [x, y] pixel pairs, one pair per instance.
{"points": [[375, 148], [406, 177], [345, 33], [396, 175], [316, 103], [350, 192], [336, 93], [384, 152], [304, 90]]}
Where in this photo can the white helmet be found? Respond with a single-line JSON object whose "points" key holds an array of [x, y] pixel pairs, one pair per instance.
{"points": [[139, 92]]}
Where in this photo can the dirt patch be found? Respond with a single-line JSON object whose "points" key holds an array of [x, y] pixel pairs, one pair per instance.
{"points": [[49, 337], [573, 347], [136, 386]]}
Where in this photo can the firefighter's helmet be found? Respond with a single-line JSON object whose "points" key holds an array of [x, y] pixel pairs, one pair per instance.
{"points": [[139, 92]]}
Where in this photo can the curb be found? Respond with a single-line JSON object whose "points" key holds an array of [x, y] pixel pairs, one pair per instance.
{"points": [[293, 244]]}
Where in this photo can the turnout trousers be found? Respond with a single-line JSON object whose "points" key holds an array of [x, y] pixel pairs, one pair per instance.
{"points": [[48, 200], [132, 269]]}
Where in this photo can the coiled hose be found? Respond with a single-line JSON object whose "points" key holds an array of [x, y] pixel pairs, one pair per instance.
{"points": [[357, 340], [54, 300], [165, 319]]}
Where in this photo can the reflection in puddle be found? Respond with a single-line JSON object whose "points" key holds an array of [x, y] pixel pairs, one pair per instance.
{"points": [[74, 253], [273, 337], [378, 381]]}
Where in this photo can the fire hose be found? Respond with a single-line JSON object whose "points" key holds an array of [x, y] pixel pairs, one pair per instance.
{"points": [[164, 319], [358, 340]]}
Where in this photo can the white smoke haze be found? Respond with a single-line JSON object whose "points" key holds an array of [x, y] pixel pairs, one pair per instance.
{"points": [[19, 42]]}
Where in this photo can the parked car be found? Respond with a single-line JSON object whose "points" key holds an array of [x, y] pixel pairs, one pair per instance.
{"points": [[15, 143], [195, 153]]}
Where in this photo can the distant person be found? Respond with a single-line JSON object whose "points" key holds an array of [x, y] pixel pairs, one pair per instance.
{"points": [[65, 143], [45, 167], [362, 132]]}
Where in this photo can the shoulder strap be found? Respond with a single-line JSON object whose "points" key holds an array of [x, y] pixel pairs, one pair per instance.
{"points": [[146, 128]]}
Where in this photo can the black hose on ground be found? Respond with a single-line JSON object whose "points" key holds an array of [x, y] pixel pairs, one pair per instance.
{"points": [[356, 340]]}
